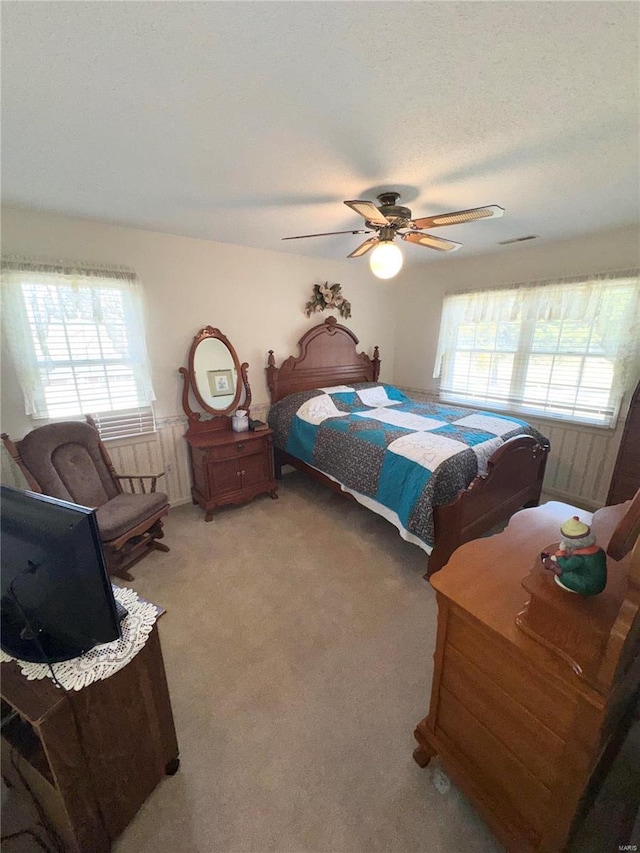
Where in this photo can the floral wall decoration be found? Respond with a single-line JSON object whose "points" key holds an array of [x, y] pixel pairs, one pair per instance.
{"points": [[328, 296]]}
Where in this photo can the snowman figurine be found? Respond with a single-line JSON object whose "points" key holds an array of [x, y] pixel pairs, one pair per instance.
{"points": [[579, 564]]}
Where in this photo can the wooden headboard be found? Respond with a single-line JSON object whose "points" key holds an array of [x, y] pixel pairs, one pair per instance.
{"points": [[327, 357]]}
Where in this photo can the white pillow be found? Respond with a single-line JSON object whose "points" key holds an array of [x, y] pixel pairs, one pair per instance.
{"points": [[337, 389], [376, 396]]}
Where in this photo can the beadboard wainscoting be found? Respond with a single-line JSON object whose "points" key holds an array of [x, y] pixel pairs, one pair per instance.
{"points": [[581, 459], [579, 469], [165, 450]]}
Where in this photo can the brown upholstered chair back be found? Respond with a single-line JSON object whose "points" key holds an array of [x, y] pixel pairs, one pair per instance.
{"points": [[66, 462]]}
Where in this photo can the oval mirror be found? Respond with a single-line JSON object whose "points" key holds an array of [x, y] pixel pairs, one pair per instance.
{"points": [[215, 375]]}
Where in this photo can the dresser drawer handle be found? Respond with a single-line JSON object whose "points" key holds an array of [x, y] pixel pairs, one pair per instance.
{"points": [[239, 447]]}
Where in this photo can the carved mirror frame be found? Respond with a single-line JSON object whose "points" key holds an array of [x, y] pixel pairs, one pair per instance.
{"points": [[190, 384]]}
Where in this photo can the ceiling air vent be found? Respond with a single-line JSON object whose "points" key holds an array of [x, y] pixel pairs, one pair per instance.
{"points": [[519, 239]]}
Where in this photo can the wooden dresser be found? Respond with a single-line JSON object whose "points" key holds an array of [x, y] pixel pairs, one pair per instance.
{"points": [[229, 467], [520, 721]]}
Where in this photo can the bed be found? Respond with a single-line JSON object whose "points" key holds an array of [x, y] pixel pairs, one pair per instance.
{"points": [[442, 475]]}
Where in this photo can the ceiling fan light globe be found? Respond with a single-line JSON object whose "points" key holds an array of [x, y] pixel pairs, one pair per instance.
{"points": [[386, 260]]}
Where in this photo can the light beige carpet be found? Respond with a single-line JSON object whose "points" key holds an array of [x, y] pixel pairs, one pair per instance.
{"points": [[298, 644]]}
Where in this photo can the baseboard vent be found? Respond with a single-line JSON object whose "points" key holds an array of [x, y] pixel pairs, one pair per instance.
{"points": [[519, 239]]}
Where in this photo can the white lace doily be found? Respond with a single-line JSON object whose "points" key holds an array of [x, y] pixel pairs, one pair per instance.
{"points": [[106, 659]]}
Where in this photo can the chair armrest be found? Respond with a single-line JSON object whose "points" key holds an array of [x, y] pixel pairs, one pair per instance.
{"points": [[138, 479]]}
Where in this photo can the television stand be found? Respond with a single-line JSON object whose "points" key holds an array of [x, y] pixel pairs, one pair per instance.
{"points": [[90, 788]]}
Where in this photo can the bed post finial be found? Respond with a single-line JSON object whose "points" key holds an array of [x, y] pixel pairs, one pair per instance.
{"points": [[272, 377], [376, 363]]}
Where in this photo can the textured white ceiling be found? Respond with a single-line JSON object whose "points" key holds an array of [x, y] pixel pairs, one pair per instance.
{"points": [[246, 122]]}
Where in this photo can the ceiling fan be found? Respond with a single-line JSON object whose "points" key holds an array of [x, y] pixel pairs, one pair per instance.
{"points": [[389, 220]]}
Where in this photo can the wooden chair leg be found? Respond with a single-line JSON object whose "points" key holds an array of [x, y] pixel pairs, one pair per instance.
{"points": [[115, 565], [124, 575], [156, 532], [120, 559], [117, 570]]}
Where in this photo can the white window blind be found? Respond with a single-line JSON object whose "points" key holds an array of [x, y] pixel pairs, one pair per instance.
{"points": [[77, 339], [559, 349], [126, 423]]}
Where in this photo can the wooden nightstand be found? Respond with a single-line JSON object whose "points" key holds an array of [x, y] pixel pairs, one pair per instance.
{"points": [[229, 467]]}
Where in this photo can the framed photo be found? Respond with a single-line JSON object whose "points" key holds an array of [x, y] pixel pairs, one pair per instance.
{"points": [[221, 383]]}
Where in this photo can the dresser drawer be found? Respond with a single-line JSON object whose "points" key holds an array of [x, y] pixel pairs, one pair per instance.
{"points": [[235, 449], [509, 671], [525, 736], [509, 788]]}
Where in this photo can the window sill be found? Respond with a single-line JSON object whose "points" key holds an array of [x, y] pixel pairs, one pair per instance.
{"points": [[525, 415]]}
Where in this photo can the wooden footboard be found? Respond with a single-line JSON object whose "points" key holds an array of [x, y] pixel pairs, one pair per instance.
{"points": [[513, 480]]}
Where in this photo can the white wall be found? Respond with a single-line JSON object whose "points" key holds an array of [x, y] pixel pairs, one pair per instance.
{"points": [[255, 297]]}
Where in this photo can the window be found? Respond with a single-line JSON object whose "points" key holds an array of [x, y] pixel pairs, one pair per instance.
{"points": [[77, 339], [558, 349]]}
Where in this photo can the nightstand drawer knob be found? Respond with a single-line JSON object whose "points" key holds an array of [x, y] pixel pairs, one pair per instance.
{"points": [[239, 447]]}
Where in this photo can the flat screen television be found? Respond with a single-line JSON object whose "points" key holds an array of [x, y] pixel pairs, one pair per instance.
{"points": [[56, 597]]}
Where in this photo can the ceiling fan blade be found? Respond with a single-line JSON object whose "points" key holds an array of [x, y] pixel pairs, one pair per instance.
{"points": [[326, 234], [431, 242], [363, 248], [368, 211], [459, 216]]}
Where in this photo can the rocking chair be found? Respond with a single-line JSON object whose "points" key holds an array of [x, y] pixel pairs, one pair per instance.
{"points": [[69, 461]]}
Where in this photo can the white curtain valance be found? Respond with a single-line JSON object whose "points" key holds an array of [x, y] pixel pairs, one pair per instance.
{"points": [[61, 267], [598, 300]]}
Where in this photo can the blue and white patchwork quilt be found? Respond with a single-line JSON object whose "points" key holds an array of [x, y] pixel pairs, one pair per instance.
{"points": [[396, 455]]}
